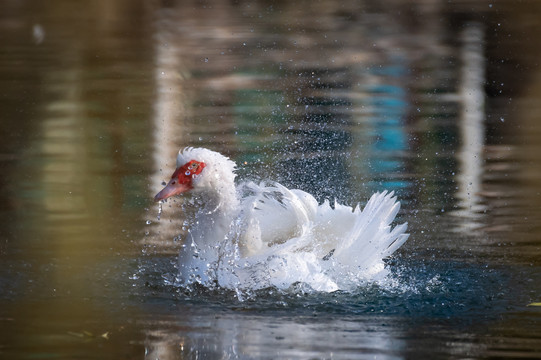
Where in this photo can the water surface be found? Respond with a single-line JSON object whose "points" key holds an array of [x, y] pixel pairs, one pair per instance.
{"points": [[434, 100]]}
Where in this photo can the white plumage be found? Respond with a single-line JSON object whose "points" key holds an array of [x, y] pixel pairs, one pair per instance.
{"points": [[254, 236]]}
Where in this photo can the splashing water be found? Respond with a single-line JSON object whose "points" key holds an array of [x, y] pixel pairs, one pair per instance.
{"points": [[160, 210], [285, 268], [247, 236]]}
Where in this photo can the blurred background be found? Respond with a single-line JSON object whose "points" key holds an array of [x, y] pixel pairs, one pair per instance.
{"points": [[436, 100]]}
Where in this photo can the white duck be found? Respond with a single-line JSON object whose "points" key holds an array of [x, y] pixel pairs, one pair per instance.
{"points": [[255, 236]]}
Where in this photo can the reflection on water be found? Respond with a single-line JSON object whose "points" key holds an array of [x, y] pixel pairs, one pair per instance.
{"points": [[435, 100], [234, 336], [472, 130]]}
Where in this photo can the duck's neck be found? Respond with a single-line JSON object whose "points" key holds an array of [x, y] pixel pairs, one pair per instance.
{"points": [[213, 220], [210, 226]]}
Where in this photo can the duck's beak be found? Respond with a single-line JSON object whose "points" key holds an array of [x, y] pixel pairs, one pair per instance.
{"points": [[173, 187]]}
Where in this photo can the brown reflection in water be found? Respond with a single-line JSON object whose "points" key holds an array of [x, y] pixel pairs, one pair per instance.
{"points": [[529, 173], [68, 131], [512, 163]]}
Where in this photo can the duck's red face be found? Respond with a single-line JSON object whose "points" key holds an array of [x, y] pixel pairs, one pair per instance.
{"points": [[181, 180]]}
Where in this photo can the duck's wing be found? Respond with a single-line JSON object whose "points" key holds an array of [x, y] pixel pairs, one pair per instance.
{"points": [[272, 215], [276, 220], [370, 237]]}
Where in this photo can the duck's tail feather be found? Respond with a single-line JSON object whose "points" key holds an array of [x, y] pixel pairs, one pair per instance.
{"points": [[371, 237]]}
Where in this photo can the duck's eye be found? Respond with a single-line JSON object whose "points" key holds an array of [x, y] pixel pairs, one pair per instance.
{"points": [[194, 166]]}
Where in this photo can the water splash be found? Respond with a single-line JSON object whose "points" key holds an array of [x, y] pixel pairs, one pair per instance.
{"points": [[160, 210], [298, 272], [318, 257]]}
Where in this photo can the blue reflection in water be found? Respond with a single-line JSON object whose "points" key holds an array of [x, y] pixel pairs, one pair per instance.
{"points": [[301, 137], [307, 139], [389, 108]]}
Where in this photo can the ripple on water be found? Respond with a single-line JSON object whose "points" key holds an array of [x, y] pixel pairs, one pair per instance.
{"points": [[444, 290]]}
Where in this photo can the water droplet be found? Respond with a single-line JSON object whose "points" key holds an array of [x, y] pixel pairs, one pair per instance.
{"points": [[148, 222], [38, 33], [159, 210]]}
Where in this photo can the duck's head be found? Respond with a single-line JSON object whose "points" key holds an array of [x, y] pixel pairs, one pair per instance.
{"points": [[202, 170], [182, 180]]}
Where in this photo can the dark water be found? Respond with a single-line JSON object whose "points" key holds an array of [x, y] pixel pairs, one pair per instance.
{"points": [[436, 100]]}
